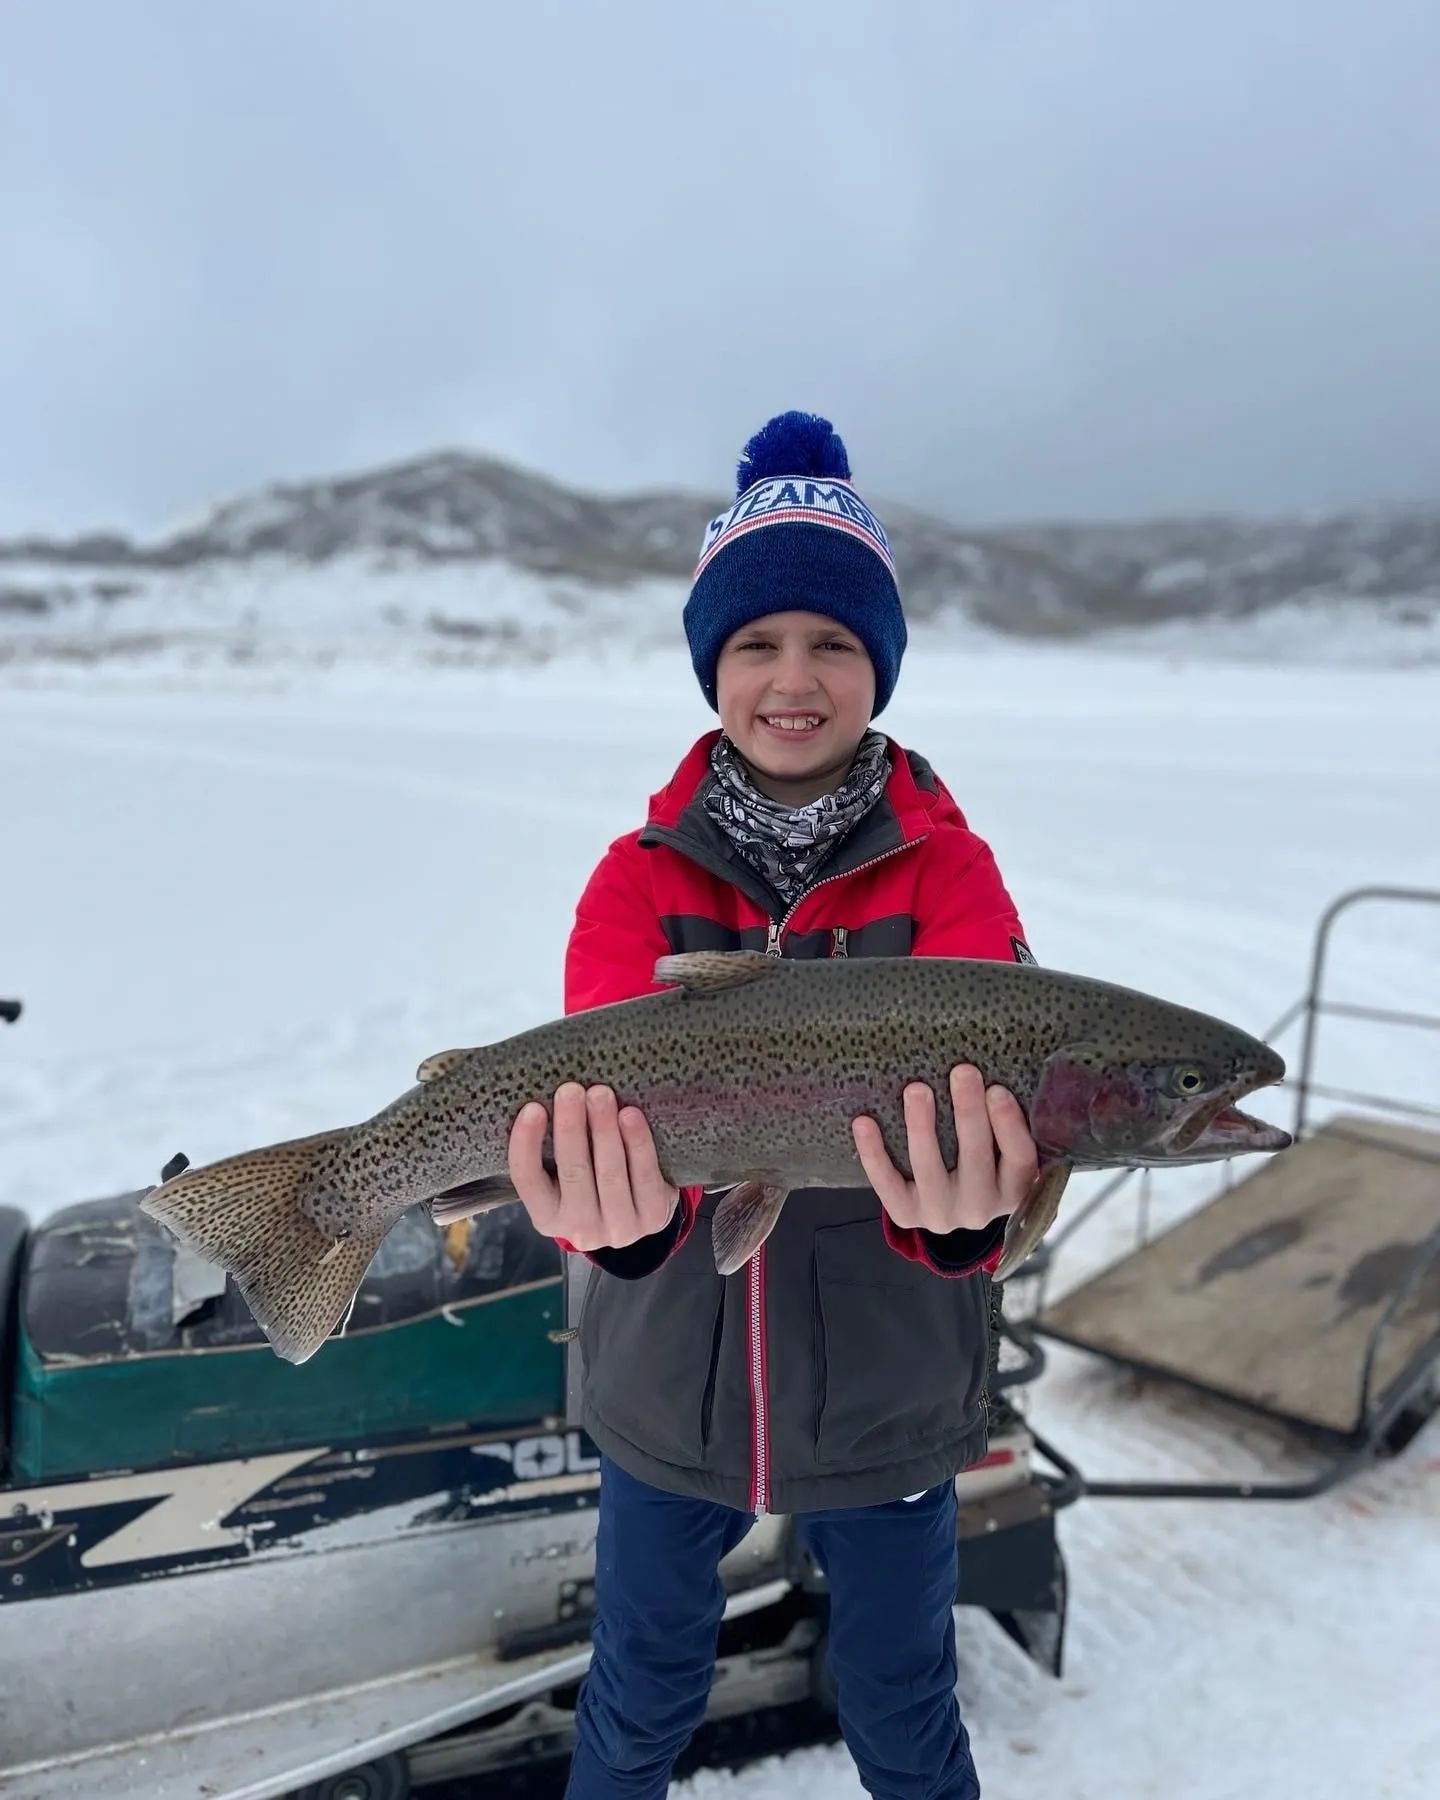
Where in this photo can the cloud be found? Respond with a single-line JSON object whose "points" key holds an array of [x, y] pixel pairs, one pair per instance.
{"points": [[1034, 259]]}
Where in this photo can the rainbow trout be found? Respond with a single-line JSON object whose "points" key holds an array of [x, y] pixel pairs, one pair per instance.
{"points": [[749, 1070]]}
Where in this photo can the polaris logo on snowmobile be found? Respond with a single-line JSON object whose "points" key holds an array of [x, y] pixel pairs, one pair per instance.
{"points": [[543, 1458]]}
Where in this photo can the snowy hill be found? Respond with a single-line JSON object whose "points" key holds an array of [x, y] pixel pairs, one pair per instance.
{"points": [[1237, 567], [459, 558]]}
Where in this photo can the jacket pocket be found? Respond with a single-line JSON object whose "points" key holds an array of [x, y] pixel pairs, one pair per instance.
{"points": [[649, 1351], [902, 1350]]}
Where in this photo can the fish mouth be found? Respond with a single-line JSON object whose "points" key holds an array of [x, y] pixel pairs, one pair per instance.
{"points": [[1216, 1127], [1230, 1131], [1219, 1129]]}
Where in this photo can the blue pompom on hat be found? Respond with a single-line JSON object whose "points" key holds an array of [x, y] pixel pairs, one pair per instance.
{"points": [[798, 539]]}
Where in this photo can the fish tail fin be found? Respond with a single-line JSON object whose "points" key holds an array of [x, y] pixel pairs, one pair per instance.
{"points": [[244, 1213], [743, 1220]]}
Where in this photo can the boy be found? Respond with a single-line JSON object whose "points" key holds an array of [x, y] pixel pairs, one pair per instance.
{"points": [[839, 1376]]}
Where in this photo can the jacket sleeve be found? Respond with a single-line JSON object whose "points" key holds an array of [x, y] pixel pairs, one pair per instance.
{"points": [[962, 909], [613, 948]]}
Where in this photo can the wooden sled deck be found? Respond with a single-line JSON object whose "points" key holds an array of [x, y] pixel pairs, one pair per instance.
{"points": [[1276, 1293]]}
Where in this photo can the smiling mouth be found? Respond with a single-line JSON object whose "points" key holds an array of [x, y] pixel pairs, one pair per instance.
{"points": [[792, 724]]}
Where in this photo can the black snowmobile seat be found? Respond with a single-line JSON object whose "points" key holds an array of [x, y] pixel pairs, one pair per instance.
{"points": [[101, 1280], [14, 1231]]}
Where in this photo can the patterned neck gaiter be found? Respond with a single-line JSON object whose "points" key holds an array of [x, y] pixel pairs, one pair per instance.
{"points": [[787, 844]]}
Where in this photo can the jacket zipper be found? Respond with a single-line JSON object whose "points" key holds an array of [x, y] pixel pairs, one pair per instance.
{"points": [[777, 926], [755, 1272], [759, 1407]]}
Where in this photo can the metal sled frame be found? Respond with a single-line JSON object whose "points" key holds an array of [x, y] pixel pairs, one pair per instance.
{"points": [[1390, 1411]]}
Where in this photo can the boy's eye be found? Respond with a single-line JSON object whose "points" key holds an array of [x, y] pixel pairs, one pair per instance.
{"points": [[758, 643]]}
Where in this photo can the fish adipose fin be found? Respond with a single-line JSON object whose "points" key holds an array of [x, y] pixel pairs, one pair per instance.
{"points": [[712, 971], [743, 1220], [1033, 1217], [471, 1197], [441, 1063], [244, 1214]]}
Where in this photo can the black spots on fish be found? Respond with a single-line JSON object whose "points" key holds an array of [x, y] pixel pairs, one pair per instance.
{"points": [[815, 1037], [333, 1211]]}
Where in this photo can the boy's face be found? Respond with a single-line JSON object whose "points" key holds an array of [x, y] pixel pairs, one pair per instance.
{"points": [[795, 693]]}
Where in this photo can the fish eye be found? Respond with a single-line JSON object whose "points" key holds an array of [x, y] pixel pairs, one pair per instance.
{"points": [[1189, 1080]]}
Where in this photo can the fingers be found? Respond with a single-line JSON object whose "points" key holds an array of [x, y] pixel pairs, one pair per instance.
{"points": [[935, 1198], [595, 1198], [927, 1165], [1019, 1158], [608, 1187], [974, 1137], [574, 1168], [890, 1185], [995, 1157], [527, 1166], [628, 1210], [611, 1172], [576, 1214], [654, 1197]]}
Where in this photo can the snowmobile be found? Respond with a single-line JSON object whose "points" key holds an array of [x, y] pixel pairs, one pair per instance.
{"points": [[225, 1577]]}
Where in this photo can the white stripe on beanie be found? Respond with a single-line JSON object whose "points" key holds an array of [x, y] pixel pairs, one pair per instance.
{"points": [[797, 500]]}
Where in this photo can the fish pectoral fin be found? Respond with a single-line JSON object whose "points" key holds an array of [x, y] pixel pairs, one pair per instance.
{"points": [[1033, 1217], [441, 1063], [471, 1197], [743, 1220], [712, 971]]}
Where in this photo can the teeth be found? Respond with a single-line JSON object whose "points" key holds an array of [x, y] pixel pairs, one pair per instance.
{"points": [[806, 723]]}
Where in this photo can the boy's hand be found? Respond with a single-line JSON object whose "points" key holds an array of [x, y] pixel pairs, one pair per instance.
{"points": [[997, 1161], [609, 1190]]}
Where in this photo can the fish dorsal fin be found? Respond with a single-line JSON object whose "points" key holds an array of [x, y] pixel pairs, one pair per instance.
{"points": [[712, 971], [441, 1063]]}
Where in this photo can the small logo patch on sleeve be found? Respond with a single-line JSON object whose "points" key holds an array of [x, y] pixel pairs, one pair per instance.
{"points": [[1020, 950]]}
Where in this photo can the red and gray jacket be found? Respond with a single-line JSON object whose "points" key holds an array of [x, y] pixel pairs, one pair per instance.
{"points": [[845, 1365]]}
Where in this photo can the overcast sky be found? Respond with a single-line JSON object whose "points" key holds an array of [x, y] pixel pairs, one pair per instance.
{"points": [[1035, 258]]}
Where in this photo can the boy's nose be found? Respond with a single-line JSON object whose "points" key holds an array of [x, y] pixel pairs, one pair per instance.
{"points": [[794, 677]]}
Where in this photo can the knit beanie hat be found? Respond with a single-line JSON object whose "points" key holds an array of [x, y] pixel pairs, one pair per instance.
{"points": [[798, 539]]}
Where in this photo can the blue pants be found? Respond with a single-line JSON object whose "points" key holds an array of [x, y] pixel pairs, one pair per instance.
{"points": [[659, 1600]]}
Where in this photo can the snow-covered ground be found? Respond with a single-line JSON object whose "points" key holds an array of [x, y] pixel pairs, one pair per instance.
{"points": [[282, 616], [243, 903]]}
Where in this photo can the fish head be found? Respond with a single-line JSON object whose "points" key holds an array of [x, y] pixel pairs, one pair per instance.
{"points": [[1106, 1106]]}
